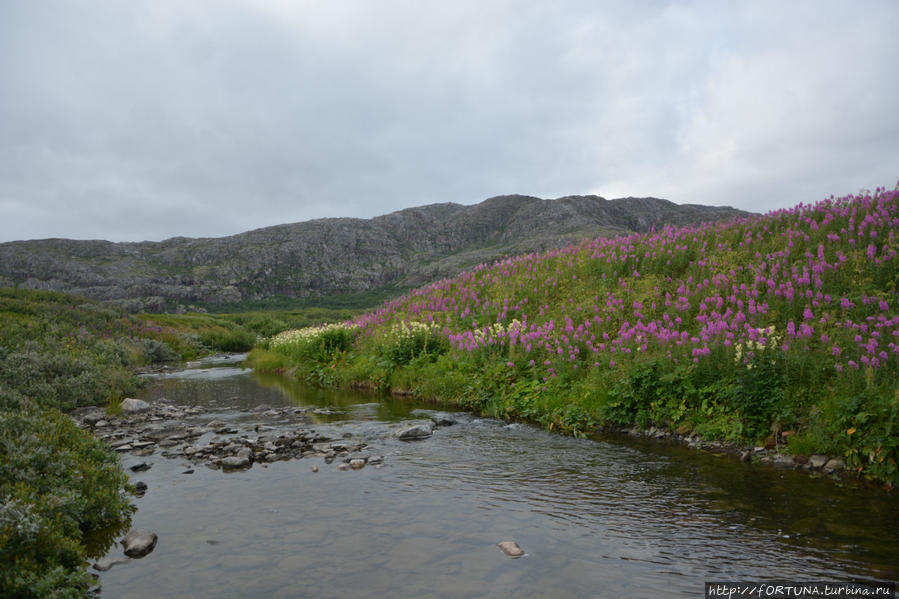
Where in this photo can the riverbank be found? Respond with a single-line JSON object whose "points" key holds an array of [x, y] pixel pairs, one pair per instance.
{"points": [[776, 331]]}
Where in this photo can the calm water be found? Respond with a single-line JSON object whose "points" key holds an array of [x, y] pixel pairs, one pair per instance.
{"points": [[596, 518]]}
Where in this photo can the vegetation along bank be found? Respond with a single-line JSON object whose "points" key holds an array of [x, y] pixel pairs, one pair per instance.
{"points": [[781, 327], [63, 495]]}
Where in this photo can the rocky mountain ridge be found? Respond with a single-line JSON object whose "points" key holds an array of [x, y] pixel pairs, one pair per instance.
{"points": [[332, 256]]}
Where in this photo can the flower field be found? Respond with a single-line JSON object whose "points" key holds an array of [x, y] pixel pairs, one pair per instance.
{"points": [[783, 326]]}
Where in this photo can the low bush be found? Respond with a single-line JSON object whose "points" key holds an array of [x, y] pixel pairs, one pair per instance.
{"points": [[59, 486]]}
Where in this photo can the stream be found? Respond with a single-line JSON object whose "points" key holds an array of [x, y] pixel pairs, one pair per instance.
{"points": [[597, 518]]}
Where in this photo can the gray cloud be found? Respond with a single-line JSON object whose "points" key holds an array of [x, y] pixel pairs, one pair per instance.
{"points": [[147, 119]]}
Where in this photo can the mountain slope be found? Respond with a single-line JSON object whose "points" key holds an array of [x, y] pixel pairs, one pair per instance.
{"points": [[332, 256]]}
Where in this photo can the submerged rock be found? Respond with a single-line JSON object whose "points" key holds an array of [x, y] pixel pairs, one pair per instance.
{"points": [[139, 543], [511, 548], [104, 564]]}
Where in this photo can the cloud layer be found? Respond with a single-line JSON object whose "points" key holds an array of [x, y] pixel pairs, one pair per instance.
{"points": [[147, 119]]}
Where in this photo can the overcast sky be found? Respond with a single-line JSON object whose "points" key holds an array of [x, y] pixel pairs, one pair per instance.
{"points": [[147, 119]]}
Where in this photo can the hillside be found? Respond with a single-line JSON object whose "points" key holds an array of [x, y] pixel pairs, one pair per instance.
{"points": [[781, 328], [330, 257]]}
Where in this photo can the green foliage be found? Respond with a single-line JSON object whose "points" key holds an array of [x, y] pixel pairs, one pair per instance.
{"points": [[58, 486], [784, 323], [62, 492]]}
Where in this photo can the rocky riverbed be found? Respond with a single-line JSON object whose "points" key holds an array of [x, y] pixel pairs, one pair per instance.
{"points": [[260, 436]]}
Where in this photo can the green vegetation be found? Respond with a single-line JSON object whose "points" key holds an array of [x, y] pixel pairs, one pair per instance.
{"points": [[63, 496], [781, 328], [62, 493]]}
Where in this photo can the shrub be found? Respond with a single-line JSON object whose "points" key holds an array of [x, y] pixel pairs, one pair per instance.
{"points": [[58, 486]]}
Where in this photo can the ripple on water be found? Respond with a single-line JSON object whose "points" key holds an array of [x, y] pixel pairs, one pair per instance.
{"points": [[596, 518]]}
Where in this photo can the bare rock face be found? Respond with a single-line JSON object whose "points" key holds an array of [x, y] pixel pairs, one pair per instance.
{"points": [[333, 256], [139, 543]]}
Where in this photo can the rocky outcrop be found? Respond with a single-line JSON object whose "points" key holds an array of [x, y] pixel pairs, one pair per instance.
{"points": [[329, 257]]}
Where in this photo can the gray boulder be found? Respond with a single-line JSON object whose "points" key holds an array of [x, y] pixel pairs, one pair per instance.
{"points": [[417, 431], [134, 406], [139, 543]]}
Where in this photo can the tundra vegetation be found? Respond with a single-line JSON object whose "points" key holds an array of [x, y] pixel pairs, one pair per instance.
{"points": [[63, 495], [780, 327]]}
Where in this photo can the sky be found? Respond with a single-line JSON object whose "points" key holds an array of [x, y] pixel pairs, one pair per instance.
{"points": [[148, 119]]}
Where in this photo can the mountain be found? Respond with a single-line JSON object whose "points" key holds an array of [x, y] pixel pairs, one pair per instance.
{"points": [[332, 256]]}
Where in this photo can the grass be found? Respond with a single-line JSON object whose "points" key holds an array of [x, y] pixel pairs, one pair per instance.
{"points": [[781, 327]]}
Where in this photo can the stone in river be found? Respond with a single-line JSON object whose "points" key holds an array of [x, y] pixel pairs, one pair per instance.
{"points": [[140, 487], [235, 462], [511, 548], [817, 461], [834, 465], [442, 420], [217, 425], [418, 431], [357, 463], [139, 542], [104, 564], [134, 406], [141, 467]]}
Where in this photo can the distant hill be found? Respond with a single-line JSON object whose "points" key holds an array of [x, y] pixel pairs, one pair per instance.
{"points": [[333, 256]]}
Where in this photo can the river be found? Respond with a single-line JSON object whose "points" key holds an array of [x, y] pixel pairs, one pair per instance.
{"points": [[596, 518]]}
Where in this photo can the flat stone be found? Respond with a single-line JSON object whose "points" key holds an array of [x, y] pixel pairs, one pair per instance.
{"points": [[417, 431], [140, 467], [235, 462], [511, 548], [357, 463], [134, 406], [139, 543], [104, 564], [784, 461], [343, 466]]}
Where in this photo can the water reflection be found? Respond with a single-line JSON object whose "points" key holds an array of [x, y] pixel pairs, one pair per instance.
{"points": [[597, 518]]}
